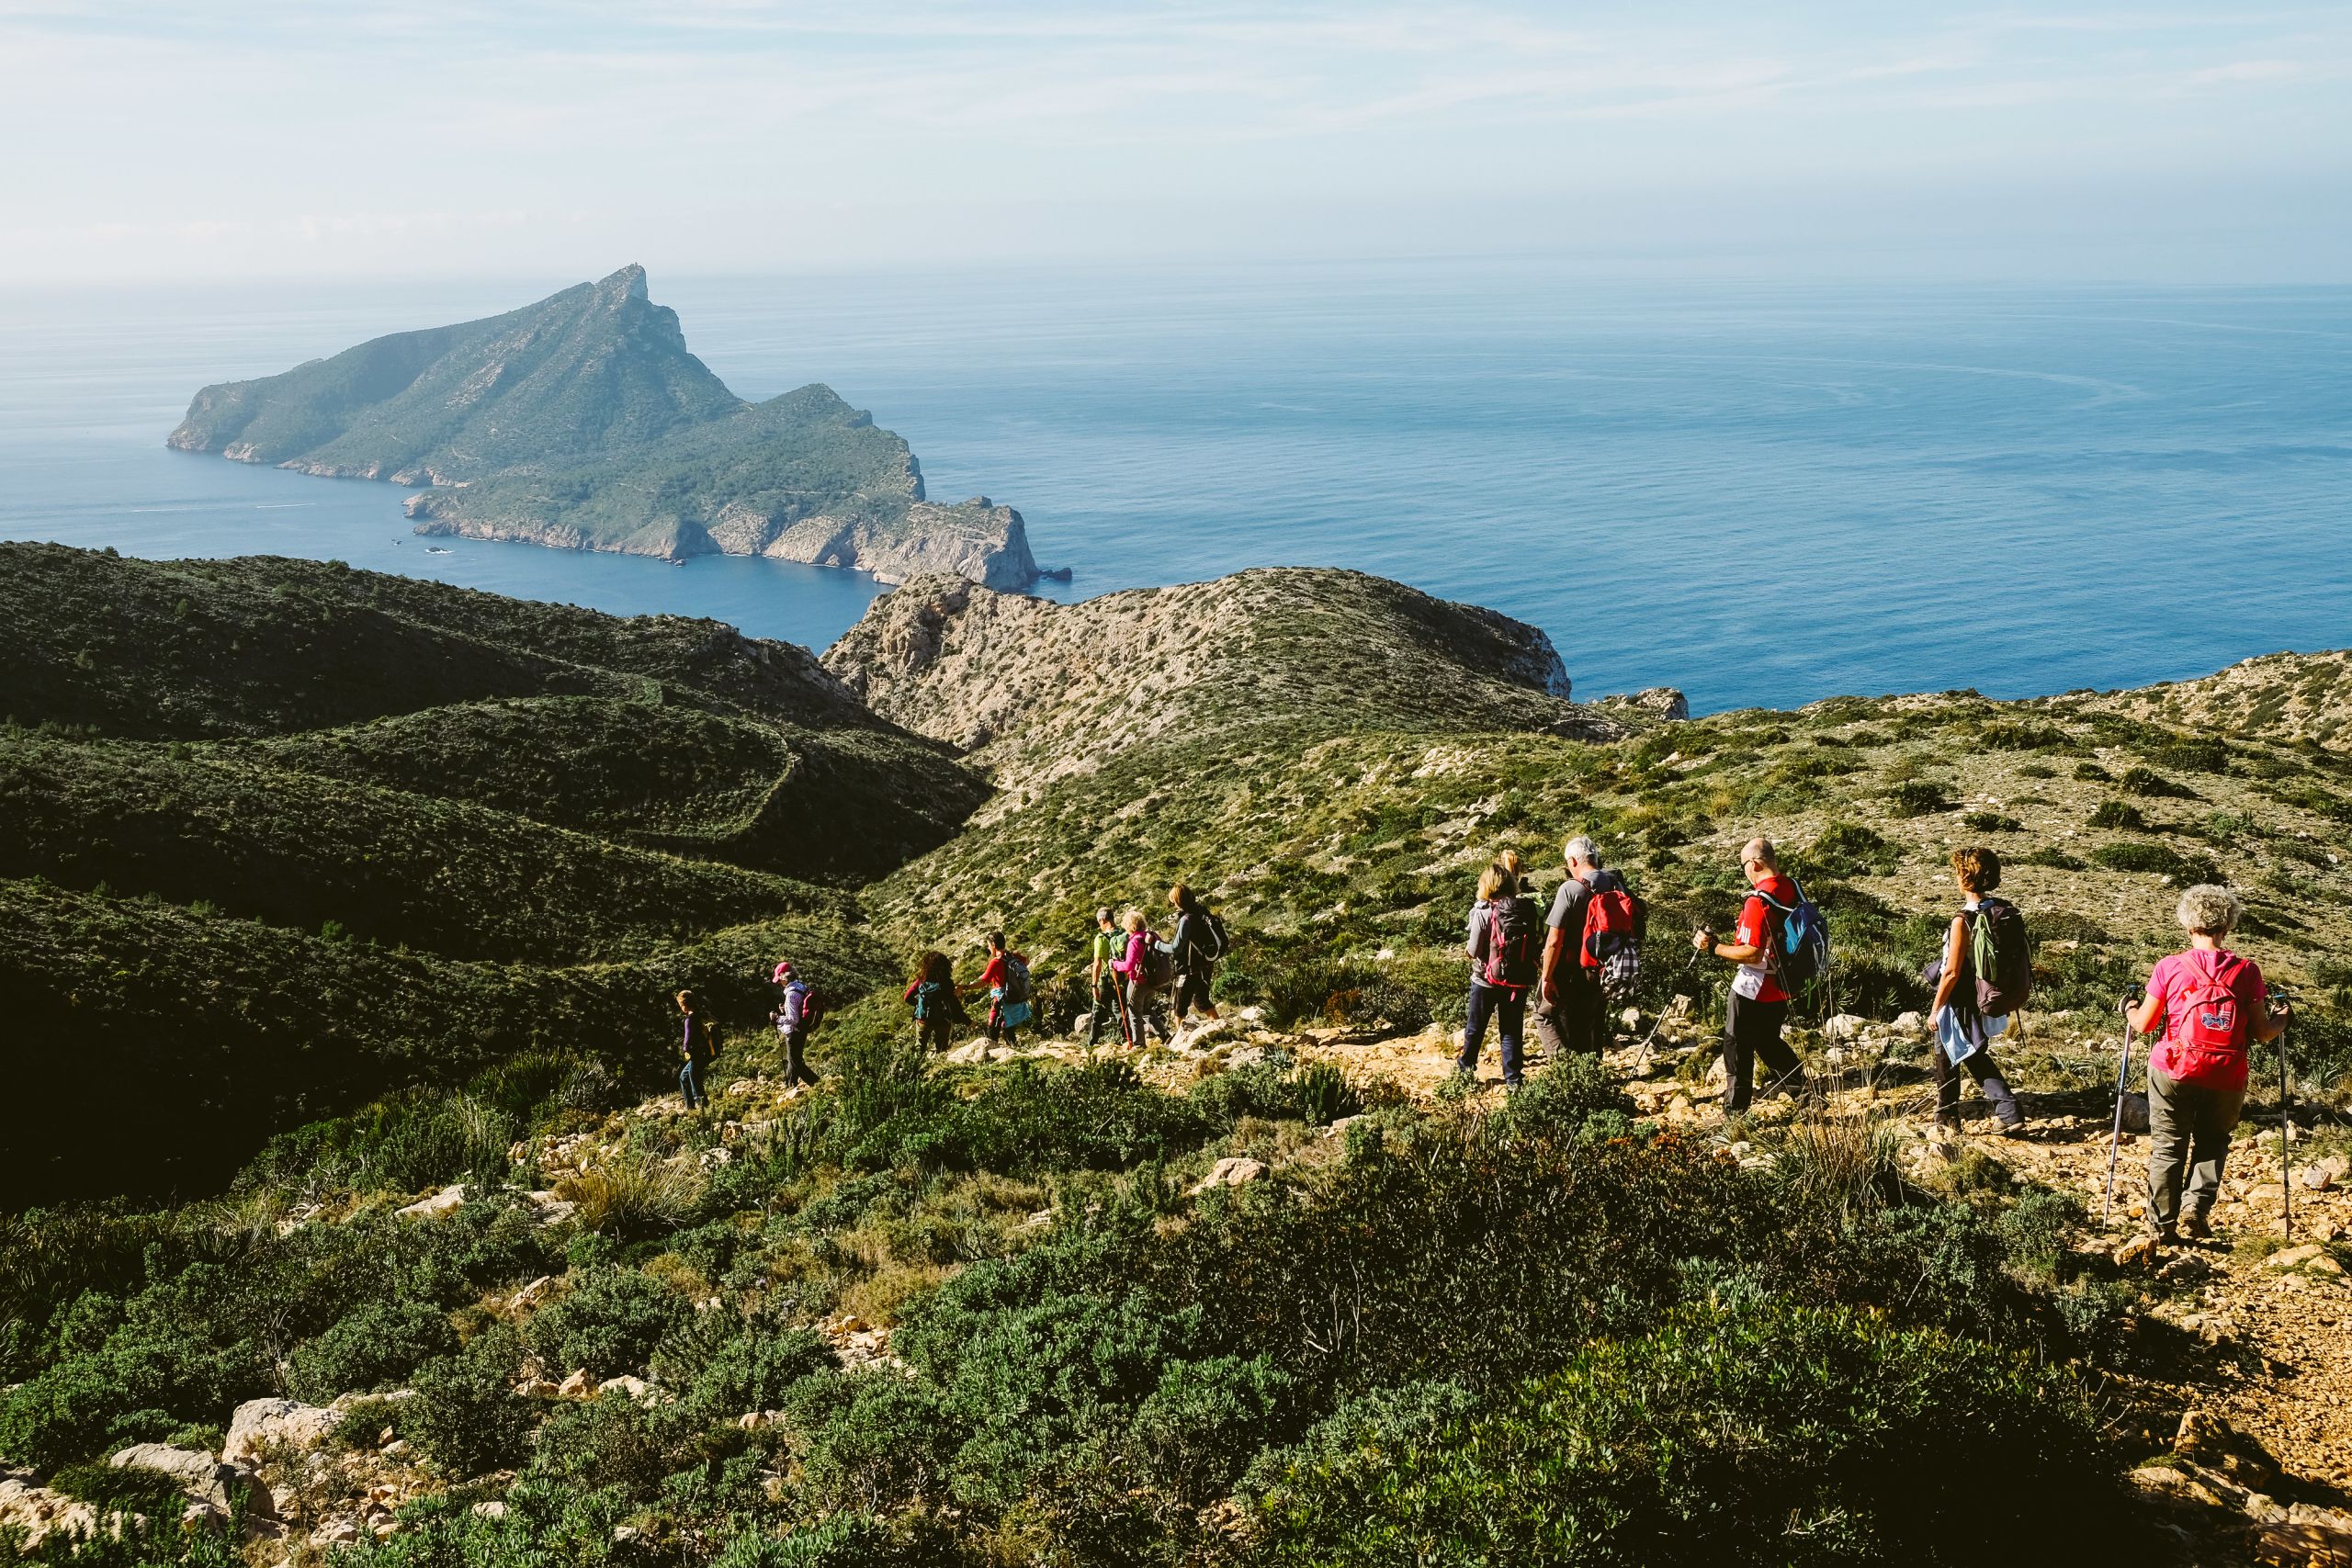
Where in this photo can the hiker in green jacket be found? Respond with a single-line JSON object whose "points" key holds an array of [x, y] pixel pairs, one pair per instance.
{"points": [[1110, 946]]}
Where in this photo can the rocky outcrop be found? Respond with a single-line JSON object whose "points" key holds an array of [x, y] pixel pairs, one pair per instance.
{"points": [[219, 1488], [259, 1425], [1035, 690]]}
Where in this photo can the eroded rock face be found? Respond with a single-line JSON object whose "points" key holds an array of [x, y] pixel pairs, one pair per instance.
{"points": [[1035, 690], [260, 1424], [204, 1479], [28, 1505]]}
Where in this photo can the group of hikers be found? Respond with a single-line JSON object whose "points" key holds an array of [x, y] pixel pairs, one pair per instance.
{"points": [[1129, 970], [1568, 965]]}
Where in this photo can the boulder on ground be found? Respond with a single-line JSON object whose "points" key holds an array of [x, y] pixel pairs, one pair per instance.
{"points": [[1232, 1171], [28, 1505], [579, 1385], [1843, 1026], [441, 1202], [201, 1477], [258, 1422]]}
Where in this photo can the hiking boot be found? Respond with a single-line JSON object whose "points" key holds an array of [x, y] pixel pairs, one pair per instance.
{"points": [[2010, 1129], [2196, 1227]]}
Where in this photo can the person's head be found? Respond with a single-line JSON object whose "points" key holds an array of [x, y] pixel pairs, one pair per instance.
{"points": [[933, 965], [1508, 860], [2210, 912], [1493, 883], [1977, 870], [1180, 895], [996, 941], [1759, 860], [685, 1001], [1103, 917], [783, 971], [1133, 920], [1580, 854]]}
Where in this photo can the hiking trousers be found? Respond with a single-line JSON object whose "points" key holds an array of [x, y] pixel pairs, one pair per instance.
{"points": [[1192, 991], [1752, 1029], [795, 1070], [2188, 1135], [1106, 997], [1980, 1065], [1143, 1012], [690, 1088], [934, 1034], [1575, 1024], [1507, 1008]]}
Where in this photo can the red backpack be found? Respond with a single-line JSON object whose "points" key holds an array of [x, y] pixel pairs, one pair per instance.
{"points": [[1616, 923], [2206, 1027]]}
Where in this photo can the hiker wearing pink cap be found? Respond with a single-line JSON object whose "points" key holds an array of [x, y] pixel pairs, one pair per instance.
{"points": [[795, 1015]]}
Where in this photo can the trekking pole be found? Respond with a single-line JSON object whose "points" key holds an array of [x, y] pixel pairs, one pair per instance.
{"points": [[1689, 964], [2115, 1138], [2286, 1132]]}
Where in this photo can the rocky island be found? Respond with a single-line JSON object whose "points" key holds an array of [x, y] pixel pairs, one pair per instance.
{"points": [[583, 421]]}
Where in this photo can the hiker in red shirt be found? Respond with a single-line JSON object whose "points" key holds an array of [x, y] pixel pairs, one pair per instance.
{"points": [[2210, 1003], [1007, 979], [1758, 1007]]}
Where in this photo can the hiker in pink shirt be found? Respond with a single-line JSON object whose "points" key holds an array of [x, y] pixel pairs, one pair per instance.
{"points": [[2211, 1005]]}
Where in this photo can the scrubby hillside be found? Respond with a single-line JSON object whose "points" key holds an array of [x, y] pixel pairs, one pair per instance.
{"points": [[1034, 691], [2280, 696], [1287, 1295]]}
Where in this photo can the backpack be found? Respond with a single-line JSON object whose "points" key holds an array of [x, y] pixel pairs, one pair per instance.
{"points": [[1016, 980], [931, 1000], [1800, 950], [2206, 1033], [1514, 945], [813, 1008], [2002, 956], [1219, 944], [1155, 967], [1616, 923]]}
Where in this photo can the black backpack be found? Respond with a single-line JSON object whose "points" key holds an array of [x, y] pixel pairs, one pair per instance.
{"points": [[1218, 945], [2000, 954], [1514, 943]]}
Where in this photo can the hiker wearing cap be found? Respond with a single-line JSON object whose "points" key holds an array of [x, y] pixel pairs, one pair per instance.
{"points": [[1007, 979], [2210, 1003], [1198, 944], [1143, 970], [1758, 1005], [698, 1045], [1964, 1031], [792, 1016], [1569, 1005], [1500, 942], [932, 993], [1110, 946]]}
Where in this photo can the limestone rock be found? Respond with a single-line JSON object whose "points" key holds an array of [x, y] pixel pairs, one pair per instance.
{"points": [[1909, 1024], [1843, 1026], [635, 1388], [579, 1385], [28, 1505], [258, 1423], [1232, 1171], [552, 1209], [446, 1201], [1656, 705], [203, 1478], [2136, 1253], [531, 1294]]}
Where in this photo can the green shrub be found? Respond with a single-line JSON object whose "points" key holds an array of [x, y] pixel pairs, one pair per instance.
{"points": [[465, 1417], [1195, 1433], [2156, 858], [2118, 814], [1324, 1094], [609, 1323], [2055, 859], [1916, 797], [1784, 1436], [1849, 849], [377, 1345], [2091, 772], [1992, 822], [2197, 754], [2147, 782], [132, 1489]]}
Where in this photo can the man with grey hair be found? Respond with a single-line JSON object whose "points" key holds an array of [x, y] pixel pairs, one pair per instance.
{"points": [[2210, 1003], [1569, 1008]]}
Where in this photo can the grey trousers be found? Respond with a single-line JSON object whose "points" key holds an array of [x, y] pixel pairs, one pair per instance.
{"points": [[2188, 1135]]}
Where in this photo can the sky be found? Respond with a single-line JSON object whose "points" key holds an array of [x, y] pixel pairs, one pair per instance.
{"points": [[431, 137]]}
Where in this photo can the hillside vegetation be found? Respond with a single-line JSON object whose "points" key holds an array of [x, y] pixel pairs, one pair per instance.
{"points": [[1268, 1300], [582, 420]]}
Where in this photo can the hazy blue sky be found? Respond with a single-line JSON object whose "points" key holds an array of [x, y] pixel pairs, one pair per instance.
{"points": [[147, 140]]}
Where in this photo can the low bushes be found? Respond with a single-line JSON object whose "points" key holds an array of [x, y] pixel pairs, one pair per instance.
{"points": [[1782, 1436], [2157, 858]]}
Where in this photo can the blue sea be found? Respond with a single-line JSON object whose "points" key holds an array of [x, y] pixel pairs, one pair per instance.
{"points": [[1764, 494]]}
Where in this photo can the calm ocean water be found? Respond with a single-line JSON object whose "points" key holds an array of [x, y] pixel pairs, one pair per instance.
{"points": [[1761, 494]]}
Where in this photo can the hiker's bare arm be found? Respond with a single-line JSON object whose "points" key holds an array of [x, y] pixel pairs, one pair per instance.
{"points": [[1948, 981], [1733, 952], [1553, 944], [2273, 1021], [2145, 1016]]}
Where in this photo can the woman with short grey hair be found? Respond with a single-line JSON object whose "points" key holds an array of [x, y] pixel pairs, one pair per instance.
{"points": [[2212, 1004]]}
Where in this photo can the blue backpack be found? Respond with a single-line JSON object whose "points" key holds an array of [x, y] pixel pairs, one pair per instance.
{"points": [[1801, 949]]}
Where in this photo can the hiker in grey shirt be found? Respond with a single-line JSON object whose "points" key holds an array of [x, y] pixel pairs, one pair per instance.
{"points": [[1568, 1009]]}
